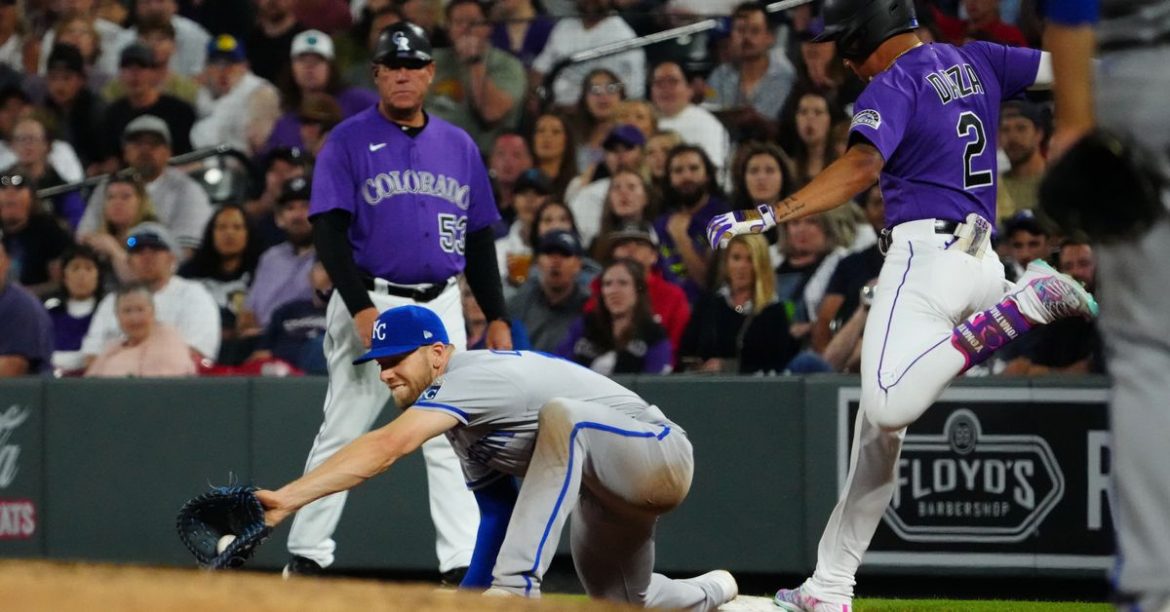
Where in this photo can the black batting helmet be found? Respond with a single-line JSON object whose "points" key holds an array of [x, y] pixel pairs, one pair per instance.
{"points": [[402, 44], [860, 26]]}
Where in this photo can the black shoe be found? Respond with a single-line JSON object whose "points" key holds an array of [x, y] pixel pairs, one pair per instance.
{"points": [[301, 566], [452, 578]]}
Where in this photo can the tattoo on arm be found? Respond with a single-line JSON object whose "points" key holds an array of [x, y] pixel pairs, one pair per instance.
{"points": [[789, 209]]}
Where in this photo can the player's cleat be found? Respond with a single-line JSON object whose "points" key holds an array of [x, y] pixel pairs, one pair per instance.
{"points": [[301, 566], [796, 600], [720, 584], [452, 577], [1048, 298], [1037, 268]]}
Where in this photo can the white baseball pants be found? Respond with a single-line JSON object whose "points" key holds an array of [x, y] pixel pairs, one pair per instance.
{"points": [[907, 360]]}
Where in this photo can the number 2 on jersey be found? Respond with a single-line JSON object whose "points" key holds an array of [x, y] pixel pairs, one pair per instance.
{"points": [[970, 128], [452, 233]]}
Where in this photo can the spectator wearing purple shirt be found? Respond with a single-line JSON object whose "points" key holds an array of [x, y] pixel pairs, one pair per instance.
{"points": [[620, 336], [72, 309], [314, 70], [26, 333], [520, 30], [282, 276], [692, 198]]}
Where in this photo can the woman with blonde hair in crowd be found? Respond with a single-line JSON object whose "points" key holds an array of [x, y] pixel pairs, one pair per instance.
{"points": [[658, 148], [630, 200], [740, 326], [125, 205], [149, 347], [81, 33], [555, 151], [640, 114], [597, 108]]}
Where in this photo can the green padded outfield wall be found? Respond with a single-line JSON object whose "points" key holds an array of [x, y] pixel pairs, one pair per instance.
{"points": [[97, 469]]}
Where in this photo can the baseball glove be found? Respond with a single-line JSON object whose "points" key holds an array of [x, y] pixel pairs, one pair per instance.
{"points": [[1105, 186], [223, 511]]}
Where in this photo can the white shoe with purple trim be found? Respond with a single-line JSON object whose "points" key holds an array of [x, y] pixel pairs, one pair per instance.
{"points": [[796, 600]]}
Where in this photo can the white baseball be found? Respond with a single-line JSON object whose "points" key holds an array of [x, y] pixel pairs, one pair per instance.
{"points": [[223, 543]]}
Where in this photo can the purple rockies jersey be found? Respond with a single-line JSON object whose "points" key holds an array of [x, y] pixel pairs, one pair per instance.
{"points": [[934, 116], [413, 200]]}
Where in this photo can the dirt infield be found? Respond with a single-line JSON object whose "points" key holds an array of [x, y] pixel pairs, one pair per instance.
{"points": [[42, 585]]}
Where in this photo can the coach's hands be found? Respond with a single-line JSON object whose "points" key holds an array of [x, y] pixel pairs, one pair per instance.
{"points": [[498, 336], [722, 228], [363, 322]]}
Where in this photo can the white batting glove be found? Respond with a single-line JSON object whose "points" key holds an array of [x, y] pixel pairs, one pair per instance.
{"points": [[722, 228]]}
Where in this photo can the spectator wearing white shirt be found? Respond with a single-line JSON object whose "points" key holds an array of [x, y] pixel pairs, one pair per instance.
{"points": [[11, 41], [179, 202], [671, 95], [190, 37], [625, 149], [594, 27], [235, 107], [180, 303]]}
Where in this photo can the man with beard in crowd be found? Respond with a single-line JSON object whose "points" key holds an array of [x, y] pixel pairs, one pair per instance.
{"points": [[1021, 136], [282, 276], [692, 199]]}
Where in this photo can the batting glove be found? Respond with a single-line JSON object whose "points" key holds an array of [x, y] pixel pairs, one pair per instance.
{"points": [[722, 228]]}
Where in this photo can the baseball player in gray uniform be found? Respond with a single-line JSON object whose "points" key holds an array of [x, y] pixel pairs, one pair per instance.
{"points": [[941, 305], [401, 206], [583, 444], [1132, 85]]}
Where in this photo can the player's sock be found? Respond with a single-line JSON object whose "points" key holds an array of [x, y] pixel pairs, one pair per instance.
{"points": [[985, 332]]}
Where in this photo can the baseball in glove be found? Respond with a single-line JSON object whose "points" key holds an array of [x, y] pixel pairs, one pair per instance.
{"points": [[1105, 186], [220, 512]]}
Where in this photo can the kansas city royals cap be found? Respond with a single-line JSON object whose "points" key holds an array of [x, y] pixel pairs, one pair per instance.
{"points": [[312, 41], [402, 330]]}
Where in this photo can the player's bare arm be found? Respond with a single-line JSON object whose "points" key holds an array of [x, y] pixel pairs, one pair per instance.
{"points": [[851, 174], [362, 459]]}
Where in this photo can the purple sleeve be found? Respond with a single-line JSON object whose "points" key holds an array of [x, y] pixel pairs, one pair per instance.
{"points": [[26, 335], [332, 179], [70, 207], [1015, 67], [880, 116], [659, 358], [482, 212], [576, 330]]}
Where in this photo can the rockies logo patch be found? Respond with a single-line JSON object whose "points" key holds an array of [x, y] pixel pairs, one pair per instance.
{"points": [[868, 117]]}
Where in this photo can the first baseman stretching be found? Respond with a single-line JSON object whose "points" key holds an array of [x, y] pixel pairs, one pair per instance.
{"points": [[926, 125], [583, 444], [401, 202]]}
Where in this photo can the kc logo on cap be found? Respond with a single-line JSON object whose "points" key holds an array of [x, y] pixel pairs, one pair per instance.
{"points": [[403, 330]]}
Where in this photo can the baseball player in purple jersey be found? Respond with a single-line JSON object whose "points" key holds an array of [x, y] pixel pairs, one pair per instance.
{"points": [[925, 126], [401, 206]]}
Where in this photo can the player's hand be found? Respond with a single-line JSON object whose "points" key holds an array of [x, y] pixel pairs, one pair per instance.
{"points": [[722, 228], [363, 322], [274, 512], [498, 336]]}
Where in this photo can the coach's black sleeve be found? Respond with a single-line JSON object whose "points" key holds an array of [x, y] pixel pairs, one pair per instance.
{"points": [[483, 274], [331, 237]]}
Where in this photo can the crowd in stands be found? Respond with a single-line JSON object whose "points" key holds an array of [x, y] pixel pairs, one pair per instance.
{"points": [[605, 172]]}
